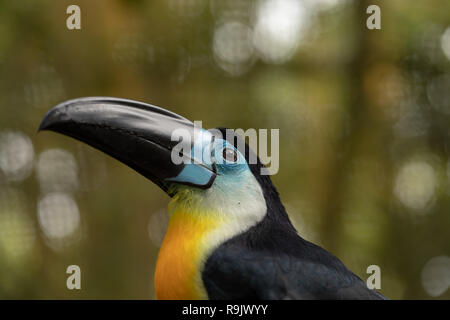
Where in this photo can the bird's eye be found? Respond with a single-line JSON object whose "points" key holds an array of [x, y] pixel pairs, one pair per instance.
{"points": [[229, 155]]}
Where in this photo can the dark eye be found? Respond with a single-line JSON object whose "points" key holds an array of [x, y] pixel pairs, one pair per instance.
{"points": [[229, 154]]}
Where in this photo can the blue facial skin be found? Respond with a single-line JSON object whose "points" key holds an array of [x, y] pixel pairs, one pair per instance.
{"points": [[228, 166], [208, 157], [233, 177]]}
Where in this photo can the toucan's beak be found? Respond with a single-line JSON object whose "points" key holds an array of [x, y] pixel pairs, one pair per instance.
{"points": [[137, 134]]}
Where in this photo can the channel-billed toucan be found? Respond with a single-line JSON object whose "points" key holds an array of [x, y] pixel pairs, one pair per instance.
{"points": [[229, 236]]}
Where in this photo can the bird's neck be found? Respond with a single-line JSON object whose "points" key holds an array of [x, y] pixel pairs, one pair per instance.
{"points": [[192, 236], [180, 257]]}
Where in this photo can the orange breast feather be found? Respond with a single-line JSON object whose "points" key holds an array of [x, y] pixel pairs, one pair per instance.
{"points": [[181, 257]]}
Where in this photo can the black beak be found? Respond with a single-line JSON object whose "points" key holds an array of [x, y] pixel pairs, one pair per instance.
{"points": [[135, 133]]}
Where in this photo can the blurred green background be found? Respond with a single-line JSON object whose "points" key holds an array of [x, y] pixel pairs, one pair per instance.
{"points": [[363, 116]]}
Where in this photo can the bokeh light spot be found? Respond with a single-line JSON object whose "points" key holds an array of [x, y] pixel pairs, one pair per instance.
{"points": [[16, 155], [232, 47], [57, 171], [415, 185], [58, 216], [280, 26], [445, 42], [436, 275]]}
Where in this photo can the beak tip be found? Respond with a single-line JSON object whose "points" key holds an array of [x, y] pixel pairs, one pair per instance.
{"points": [[42, 126], [54, 117], [46, 123]]}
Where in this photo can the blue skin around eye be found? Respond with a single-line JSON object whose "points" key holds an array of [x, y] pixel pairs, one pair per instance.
{"points": [[199, 175], [231, 176], [223, 166]]}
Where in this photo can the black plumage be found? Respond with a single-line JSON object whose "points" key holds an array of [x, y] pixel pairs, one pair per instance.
{"points": [[271, 261]]}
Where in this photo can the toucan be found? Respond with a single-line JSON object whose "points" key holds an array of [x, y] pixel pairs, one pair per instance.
{"points": [[229, 236]]}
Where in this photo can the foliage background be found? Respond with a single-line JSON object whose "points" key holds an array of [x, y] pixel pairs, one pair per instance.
{"points": [[363, 115]]}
